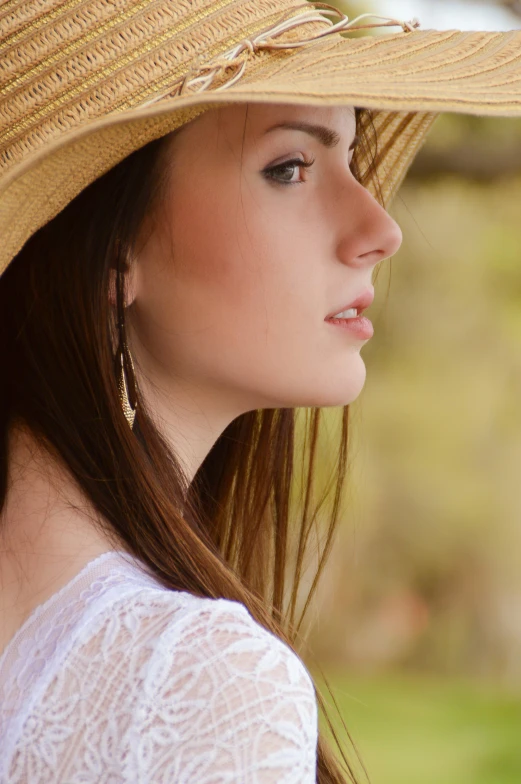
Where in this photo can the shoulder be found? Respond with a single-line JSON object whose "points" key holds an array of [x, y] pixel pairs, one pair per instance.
{"points": [[171, 632], [211, 635], [174, 687], [221, 634], [232, 697]]}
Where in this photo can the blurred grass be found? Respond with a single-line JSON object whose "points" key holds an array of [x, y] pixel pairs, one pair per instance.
{"points": [[419, 729]]}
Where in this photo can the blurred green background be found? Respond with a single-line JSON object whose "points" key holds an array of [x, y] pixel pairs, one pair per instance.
{"points": [[417, 620]]}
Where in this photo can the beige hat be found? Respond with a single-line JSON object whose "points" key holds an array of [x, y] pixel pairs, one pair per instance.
{"points": [[83, 83]]}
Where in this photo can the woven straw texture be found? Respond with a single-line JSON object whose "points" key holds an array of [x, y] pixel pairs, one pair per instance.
{"points": [[83, 83]]}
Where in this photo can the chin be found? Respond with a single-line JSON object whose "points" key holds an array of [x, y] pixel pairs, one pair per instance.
{"points": [[347, 384], [337, 388], [343, 397]]}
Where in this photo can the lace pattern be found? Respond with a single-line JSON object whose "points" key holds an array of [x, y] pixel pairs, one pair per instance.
{"points": [[117, 679]]}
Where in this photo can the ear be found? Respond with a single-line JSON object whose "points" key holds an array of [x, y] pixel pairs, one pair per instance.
{"points": [[130, 286], [112, 287]]}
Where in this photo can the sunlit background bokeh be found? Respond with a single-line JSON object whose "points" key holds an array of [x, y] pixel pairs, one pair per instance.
{"points": [[417, 621]]}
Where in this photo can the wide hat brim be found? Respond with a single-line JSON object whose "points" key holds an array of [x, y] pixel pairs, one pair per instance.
{"points": [[407, 78]]}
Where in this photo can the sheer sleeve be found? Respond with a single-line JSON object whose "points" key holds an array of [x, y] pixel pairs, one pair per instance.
{"points": [[153, 686], [224, 700]]}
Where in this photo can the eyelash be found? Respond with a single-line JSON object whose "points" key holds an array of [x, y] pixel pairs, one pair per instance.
{"points": [[285, 165]]}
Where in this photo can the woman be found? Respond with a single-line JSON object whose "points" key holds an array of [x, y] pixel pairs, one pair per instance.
{"points": [[172, 265]]}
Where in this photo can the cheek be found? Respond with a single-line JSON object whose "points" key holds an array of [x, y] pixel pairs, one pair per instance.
{"points": [[230, 258], [209, 282]]}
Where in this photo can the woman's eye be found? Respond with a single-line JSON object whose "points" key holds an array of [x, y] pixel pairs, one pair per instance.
{"points": [[285, 172], [278, 173]]}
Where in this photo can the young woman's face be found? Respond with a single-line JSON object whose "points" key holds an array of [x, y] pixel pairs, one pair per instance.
{"points": [[250, 254]]}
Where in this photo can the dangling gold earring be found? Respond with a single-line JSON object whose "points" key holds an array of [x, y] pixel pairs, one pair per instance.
{"points": [[124, 365], [123, 387]]}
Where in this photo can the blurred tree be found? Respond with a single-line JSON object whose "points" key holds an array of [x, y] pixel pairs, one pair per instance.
{"points": [[426, 572], [481, 149]]}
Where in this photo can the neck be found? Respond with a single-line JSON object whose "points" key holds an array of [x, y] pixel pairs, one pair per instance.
{"points": [[48, 530]]}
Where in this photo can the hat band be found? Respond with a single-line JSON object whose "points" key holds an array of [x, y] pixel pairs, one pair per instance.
{"points": [[203, 74]]}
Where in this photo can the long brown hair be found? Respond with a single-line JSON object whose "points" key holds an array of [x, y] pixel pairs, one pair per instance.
{"points": [[57, 337]]}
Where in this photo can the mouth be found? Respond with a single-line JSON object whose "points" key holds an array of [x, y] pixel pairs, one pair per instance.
{"points": [[363, 301], [359, 327]]}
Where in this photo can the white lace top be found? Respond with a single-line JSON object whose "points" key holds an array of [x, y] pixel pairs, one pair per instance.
{"points": [[117, 679]]}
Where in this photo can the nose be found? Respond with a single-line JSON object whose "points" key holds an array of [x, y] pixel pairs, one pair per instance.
{"points": [[368, 234]]}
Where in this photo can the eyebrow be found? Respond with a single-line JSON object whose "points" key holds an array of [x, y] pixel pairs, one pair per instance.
{"points": [[326, 136]]}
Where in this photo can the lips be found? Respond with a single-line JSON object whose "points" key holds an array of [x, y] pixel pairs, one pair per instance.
{"points": [[364, 300]]}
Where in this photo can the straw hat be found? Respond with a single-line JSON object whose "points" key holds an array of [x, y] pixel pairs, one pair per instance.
{"points": [[83, 83]]}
